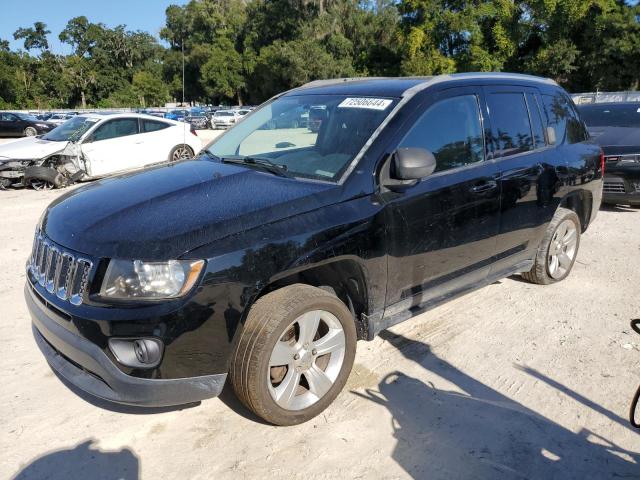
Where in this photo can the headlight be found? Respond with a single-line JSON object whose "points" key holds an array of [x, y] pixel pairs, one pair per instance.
{"points": [[127, 280], [42, 125]]}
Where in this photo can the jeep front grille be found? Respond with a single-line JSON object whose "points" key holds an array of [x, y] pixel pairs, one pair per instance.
{"points": [[60, 272]]}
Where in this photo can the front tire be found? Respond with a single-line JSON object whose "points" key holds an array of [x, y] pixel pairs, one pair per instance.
{"points": [[30, 132], [294, 354], [558, 249]]}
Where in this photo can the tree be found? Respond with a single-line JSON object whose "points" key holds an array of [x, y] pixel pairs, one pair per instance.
{"points": [[34, 38], [149, 89], [80, 74]]}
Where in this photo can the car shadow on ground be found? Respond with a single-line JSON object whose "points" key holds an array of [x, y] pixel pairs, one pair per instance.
{"points": [[476, 432], [83, 462], [617, 208]]}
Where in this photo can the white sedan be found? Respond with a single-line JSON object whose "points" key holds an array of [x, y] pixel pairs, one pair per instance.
{"points": [[95, 145]]}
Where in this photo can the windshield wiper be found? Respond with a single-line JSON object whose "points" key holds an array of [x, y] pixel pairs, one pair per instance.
{"points": [[264, 163]]}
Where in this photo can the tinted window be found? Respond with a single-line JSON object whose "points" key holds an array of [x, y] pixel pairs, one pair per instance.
{"points": [[563, 118], [8, 117], [510, 120], [116, 128], [611, 115], [536, 121], [451, 130], [153, 125]]}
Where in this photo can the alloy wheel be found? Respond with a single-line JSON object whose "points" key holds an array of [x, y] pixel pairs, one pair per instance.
{"points": [[41, 185], [306, 360], [181, 153], [562, 249]]}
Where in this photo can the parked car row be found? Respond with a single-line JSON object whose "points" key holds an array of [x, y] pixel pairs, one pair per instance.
{"points": [[203, 117], [92, 146]]}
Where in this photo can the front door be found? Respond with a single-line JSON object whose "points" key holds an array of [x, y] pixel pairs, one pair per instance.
{"points": [[441, 231], [114, 146]]}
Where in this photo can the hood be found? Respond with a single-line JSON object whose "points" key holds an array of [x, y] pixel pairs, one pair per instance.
{"points": [[164, 212], [30, 148], [616, 140]]}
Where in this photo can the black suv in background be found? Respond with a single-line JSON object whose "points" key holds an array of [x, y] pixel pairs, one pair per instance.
{"points": [[270, 255], [616, 128]]}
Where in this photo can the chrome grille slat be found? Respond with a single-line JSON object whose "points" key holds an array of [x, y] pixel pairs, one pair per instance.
{"points": [[58, 271], [613, 187]]}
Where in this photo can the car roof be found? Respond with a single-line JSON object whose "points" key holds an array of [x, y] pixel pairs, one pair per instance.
{"points": [[102, 116], [401, 86]]}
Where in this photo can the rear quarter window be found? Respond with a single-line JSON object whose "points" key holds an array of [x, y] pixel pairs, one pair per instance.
{"points": [[562, 116], [153, 125]]}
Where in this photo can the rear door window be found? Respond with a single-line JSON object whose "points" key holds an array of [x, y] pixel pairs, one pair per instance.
{"points": [[451, 130], [536, 120], [510, 121]]}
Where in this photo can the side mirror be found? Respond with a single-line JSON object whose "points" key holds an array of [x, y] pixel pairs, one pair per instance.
{"points": [[412, 164], [551, 135]]}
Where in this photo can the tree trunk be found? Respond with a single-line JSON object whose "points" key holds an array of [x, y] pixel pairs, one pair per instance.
{"points": [[239, 95], [84, 100]]}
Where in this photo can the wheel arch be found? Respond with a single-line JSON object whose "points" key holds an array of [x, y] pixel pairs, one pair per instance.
{"points": [[345, 277], [581, 202]]}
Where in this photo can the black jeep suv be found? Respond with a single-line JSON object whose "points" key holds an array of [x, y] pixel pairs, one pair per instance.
{"points": [[616, 128], [270, 255]]}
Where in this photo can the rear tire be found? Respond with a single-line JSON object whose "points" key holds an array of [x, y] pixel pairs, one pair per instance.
{"points": [[294, 354], [558, 249], [180, 152]]}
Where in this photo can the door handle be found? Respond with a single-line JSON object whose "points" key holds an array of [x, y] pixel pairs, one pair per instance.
{"points": [[484, 187]]}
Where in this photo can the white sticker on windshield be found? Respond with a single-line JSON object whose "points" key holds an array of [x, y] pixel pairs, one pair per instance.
{"points": [[370, 103]]}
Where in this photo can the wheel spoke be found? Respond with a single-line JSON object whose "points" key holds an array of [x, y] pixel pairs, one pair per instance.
{"points": [[553, 264], [282, 354], [319, 382], [308, 324], [287, 389], [570, 237], [331, 342], [564, 260]]}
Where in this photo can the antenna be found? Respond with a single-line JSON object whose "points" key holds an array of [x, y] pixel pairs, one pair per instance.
{"points": [[184, 122]]}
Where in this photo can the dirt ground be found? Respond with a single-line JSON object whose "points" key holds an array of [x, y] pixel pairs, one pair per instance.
{"points": [[513, 381]]}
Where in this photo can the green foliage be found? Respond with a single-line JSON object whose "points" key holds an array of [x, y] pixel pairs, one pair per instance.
{"points": [[248, 50]]}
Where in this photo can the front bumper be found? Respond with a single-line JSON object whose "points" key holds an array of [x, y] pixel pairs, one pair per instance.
{"points": [[87, 367]]}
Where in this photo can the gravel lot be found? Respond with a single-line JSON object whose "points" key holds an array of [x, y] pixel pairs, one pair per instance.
{"points": [[513, 381]]}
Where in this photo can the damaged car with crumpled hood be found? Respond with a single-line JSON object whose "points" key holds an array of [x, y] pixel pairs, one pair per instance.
{"points": [[92, 146], [47, 161]]}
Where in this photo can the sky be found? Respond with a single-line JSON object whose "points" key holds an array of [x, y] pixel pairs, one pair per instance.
{"points": [[147, 15]]}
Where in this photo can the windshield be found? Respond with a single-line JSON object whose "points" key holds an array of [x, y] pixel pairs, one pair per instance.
{"points": [[625, 115], [26, 116], [223, 114], [71, 130], [313, 136]]}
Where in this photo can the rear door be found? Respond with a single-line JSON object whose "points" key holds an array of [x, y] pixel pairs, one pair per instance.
{"points": [[156, 138], [527, 181], [441, 231]]}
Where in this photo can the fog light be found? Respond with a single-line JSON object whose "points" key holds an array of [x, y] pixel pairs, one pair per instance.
{"points": [[137, 352]]}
